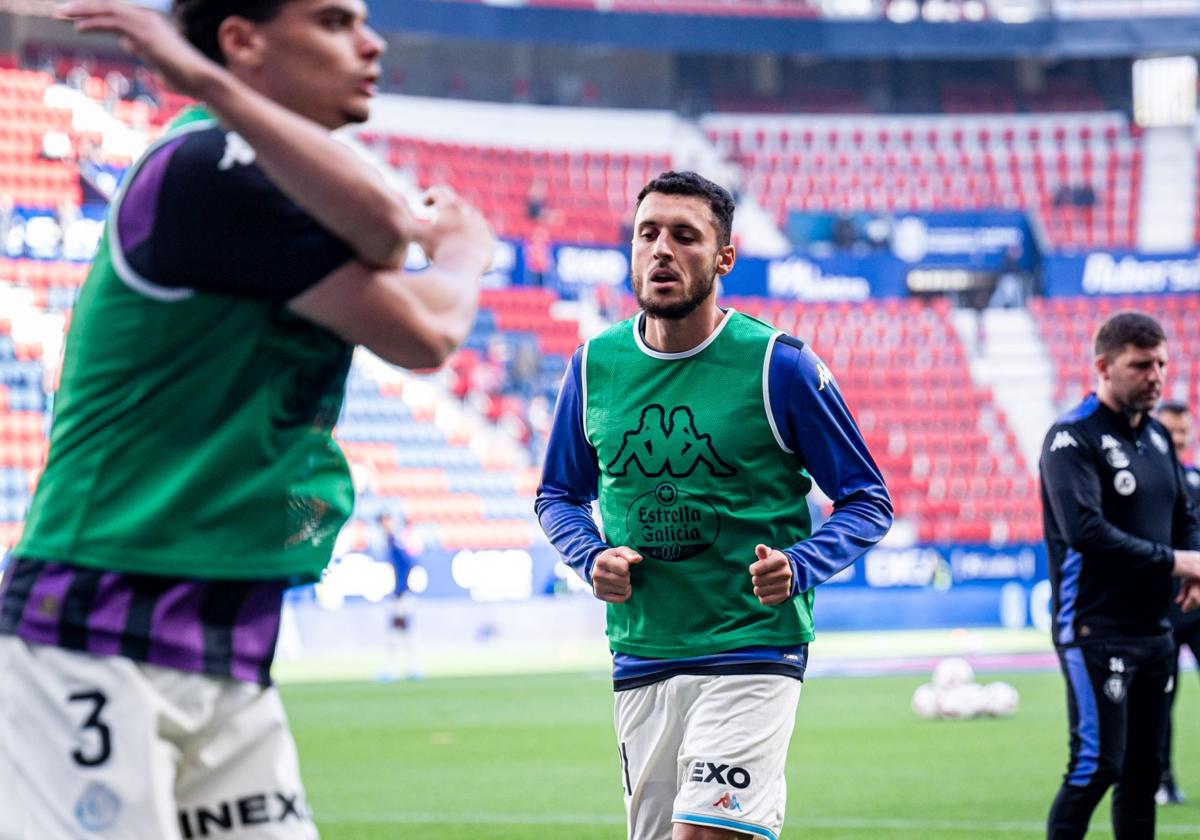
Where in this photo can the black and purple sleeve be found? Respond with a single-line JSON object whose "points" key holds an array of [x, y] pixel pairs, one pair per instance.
{"points": [[197, 216]]}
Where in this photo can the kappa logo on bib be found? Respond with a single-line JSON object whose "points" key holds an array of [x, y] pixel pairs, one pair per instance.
{"points": [[674, 447]]}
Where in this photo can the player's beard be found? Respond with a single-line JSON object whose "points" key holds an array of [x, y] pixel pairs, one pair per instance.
{"points": [[674, 310], [1137, 400]]}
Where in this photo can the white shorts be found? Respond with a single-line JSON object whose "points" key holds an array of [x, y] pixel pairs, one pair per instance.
{"points": [[707, 750], [105, 747]]}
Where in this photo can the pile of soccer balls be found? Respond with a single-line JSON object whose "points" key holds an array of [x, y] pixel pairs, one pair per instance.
{"points": [[954, 694]]}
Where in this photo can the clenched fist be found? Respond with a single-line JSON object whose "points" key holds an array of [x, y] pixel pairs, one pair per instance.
{"points": [[771, 574], [610, 574]]}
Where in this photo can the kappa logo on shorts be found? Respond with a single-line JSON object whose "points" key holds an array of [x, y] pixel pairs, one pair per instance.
{"points": [[722, 774], [98, 807], [728, 801], [259, 809]]}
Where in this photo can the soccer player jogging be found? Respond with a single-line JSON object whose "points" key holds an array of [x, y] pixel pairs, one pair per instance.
{"points": [[701, 430], [1118, 524], [1185, 627], [192, 474]]}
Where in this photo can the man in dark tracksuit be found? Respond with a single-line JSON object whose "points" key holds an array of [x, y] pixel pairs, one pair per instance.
{"points": [[1118, 525], [1185, 627]]}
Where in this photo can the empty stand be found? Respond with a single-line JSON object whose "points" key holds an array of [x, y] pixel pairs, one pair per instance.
{"points": [[947, 453], [25, 176], [1067, 326], [1078, 175], [738, 8], [587, 194]]}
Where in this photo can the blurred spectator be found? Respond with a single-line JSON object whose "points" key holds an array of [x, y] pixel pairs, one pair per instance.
{"points": [[143, 88], [116, 88], [396, 547], [523, 370], [535, 200], [48, 65], [1074, 196], [1012, 282], [79, 74], [845, 232], [538, 254], [487, 379], [461, 368]]}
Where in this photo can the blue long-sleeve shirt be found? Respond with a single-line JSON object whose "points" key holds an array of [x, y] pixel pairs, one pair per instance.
{"points": [[813, 424]]}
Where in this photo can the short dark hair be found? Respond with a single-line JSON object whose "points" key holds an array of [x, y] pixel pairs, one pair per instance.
{"points": [[689, 183], [1173, 407], [1128, 327], [200, 20]]}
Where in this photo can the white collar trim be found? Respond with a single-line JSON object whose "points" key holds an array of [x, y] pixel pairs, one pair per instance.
{"points": [[658, 354]]}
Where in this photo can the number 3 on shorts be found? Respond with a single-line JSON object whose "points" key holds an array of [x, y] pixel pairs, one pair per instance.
{"points": [[103, 737]]}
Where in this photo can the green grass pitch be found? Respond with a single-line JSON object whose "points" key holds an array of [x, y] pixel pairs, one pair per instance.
{"points": [[520, 758]]}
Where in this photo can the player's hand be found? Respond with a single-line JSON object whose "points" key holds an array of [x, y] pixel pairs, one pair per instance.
{"points": [[1187, 564], [771, 574], [610, 574], [150, 36], [1189, 595], [456, 227]]}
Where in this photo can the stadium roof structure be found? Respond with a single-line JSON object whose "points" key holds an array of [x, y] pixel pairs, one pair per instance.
{"points": [[1126, 33]]}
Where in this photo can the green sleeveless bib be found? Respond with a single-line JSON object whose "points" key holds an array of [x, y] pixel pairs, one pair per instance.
{"points": [[192, 434], [692, 476]]}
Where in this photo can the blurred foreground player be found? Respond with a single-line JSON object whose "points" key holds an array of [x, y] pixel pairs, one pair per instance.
{"points": [[701, 431], [1185, 627], [1118, 524], [192, 475]]}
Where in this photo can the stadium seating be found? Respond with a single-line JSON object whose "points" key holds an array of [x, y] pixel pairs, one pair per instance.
{"points": [[26, 177], [1079, 175], [22, 429], [1067, 324], [588, 194], [949, 457], [455, 451], [466, 481], [747, 8]]}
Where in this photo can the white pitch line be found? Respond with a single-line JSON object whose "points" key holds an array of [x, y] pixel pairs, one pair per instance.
{"points": [[412, 818], [966, 826]]}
